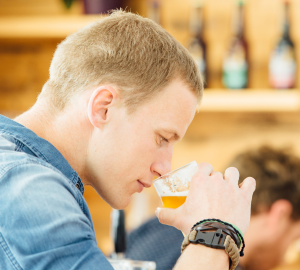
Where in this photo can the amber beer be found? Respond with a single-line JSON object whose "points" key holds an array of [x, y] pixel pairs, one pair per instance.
{"points": [[173, 187], [173, 201]]}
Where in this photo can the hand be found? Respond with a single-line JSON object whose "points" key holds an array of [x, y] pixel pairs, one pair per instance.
{"points": [[212, 195]]}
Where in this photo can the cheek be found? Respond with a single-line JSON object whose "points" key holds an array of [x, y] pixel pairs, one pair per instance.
{"points": [[145, 150], [123, 155], [138, 143], [131, 154]]}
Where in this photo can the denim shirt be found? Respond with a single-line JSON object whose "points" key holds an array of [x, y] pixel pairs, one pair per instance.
{"points": [[45, 222]]}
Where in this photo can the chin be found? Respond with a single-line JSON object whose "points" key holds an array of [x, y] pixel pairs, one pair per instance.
{"points": [[121, 203]]}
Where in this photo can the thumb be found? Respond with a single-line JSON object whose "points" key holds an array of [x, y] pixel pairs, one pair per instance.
{"points": [[166, 216]]}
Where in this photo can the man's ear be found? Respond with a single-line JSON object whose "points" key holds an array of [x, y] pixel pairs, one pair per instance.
{"points": [[279, 214], [101, 100]]}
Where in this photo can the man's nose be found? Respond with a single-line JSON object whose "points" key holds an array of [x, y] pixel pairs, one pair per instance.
{"points": [[163, 165]]}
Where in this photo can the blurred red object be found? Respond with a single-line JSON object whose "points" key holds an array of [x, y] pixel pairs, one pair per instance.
{"points": [[101, 6]]}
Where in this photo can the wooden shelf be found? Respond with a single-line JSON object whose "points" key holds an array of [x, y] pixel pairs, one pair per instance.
{"points": [[264, 100], [43, 27]]}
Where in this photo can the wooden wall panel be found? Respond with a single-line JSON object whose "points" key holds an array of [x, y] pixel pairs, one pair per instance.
{"points": [[24, 66], [137, 6], [38, 7], [175, 19]]}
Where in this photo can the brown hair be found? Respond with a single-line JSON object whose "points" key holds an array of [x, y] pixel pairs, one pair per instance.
{"points": [[277, 175], [124, 49]]}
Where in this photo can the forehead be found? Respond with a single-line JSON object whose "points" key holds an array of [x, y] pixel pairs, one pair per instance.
{"points": [[172, 109]]}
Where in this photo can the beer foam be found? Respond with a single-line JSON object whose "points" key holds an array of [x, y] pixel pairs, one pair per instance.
{"points": [[175, 194], [176, 182]]}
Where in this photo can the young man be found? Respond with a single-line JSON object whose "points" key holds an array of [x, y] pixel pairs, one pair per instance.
{"points": [[121, 92], [275, 220]]}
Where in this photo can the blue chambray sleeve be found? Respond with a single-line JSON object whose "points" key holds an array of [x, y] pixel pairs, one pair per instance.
{"points": [[42, 225]]}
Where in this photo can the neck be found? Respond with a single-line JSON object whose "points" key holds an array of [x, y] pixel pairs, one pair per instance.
{"points": [[265, 257], [68, 137]]}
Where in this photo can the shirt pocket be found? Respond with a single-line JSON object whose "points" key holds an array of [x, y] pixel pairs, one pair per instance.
{"points": [[7, 259]]}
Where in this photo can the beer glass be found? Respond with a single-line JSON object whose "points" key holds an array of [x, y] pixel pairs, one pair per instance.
{"points": [[173, 187], [127, 264]]}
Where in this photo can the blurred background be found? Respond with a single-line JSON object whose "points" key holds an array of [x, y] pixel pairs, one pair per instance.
{"points": [[248, 53]]}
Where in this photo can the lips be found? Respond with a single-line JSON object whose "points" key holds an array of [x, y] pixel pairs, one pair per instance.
{"points": [[145, 184]]}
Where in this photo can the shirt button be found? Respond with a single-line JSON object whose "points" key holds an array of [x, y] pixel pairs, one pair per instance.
{"points": [[77, 185]]}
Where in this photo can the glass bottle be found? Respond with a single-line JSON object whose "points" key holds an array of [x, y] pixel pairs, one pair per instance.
{"points": [[197, 46], [235, 64], [282, 65]]}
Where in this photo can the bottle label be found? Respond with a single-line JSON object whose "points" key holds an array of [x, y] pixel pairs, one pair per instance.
{"points": [[235, 69], [282, 67]]}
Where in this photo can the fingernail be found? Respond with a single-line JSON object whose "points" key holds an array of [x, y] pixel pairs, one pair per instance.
{"points": [[157, 211]]}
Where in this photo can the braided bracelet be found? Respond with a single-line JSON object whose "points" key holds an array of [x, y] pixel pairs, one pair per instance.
{"points": [[228, 224], [217, 239]]}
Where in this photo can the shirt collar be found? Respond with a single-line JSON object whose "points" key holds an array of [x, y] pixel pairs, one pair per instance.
{"points": [[41, 148]]}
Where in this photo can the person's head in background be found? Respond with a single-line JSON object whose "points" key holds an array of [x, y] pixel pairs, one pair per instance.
{"points": [[275, 212]]}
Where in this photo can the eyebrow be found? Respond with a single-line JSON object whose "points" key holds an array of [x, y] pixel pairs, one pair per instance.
{"points": [[175, 135]]}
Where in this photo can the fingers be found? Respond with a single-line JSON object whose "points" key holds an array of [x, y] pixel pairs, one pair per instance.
{"points": [[248, 185], [232, 175], [217, 175], [205, 169], [166, 216]]}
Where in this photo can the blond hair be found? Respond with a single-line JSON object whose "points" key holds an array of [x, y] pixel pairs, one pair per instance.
{"points": [[123, 49]]}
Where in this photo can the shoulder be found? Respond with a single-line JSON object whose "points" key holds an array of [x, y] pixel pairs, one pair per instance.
{"points": [[20, 172], [11, 157], [31, 183], [41, 221], [32, 188], [44, 219]]}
